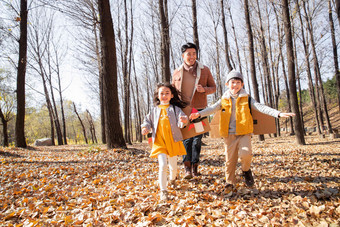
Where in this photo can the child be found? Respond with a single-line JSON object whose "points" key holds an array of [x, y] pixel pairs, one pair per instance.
{"points": [[165, 121], [236, 126]]}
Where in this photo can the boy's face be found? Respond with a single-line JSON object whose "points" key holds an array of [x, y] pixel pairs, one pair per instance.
{"points": [[189, 56], [164, 95], [234, 85]]}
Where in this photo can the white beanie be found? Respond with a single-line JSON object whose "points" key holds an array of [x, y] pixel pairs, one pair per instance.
{"points": [[233, 74]]}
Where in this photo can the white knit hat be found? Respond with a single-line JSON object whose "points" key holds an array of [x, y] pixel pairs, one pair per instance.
{"points": [[233, 74]]}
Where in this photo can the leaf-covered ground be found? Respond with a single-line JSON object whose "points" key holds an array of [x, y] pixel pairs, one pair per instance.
{"points": [[92, 186]]}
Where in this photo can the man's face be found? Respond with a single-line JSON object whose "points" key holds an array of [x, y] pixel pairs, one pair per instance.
{"points": [[189, 56]]}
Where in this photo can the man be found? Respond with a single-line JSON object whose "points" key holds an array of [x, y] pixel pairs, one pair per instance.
{"points": [[195, 82]]}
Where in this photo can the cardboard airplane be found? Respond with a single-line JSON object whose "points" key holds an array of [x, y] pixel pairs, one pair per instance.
{"points": [[263, 124], [189, 131]]}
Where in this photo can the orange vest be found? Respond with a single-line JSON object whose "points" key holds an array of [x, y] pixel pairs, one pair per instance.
{"points": [[244, 120]]}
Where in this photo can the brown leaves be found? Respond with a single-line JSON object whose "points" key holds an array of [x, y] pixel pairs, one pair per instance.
{"points": [[92, 186]]}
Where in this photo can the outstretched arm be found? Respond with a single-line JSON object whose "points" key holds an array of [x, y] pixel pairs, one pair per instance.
{"points": [[286, 114]]}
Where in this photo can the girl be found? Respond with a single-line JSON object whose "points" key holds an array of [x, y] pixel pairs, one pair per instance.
{"points": [[165, 121]]}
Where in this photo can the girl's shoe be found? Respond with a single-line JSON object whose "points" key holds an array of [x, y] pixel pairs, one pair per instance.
{"points": [[163, 196], [172, 183]]}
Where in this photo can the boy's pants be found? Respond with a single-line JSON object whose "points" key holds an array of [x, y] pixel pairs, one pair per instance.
{"points": [[162, 161], [237, 147]]}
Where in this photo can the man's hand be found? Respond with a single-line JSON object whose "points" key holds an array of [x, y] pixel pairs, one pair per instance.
{"points": [[200, 89], [144, 131]]}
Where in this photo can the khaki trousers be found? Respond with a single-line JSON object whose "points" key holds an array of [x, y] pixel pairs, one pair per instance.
{"points": [[237, 147]]}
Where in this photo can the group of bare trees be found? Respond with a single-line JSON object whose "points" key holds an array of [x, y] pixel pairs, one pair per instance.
{"points": [[125, 50]]}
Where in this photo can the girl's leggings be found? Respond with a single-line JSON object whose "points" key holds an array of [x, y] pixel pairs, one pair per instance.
{"points": [[162, 177]]}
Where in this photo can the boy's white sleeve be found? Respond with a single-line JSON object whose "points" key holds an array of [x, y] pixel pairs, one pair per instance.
{"points": [[263, 108], [211, 109]]}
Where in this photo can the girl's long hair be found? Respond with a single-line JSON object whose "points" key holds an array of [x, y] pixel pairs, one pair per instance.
{"points": [[176, 100]]}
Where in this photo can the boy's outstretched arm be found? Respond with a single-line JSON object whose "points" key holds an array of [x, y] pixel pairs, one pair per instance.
{"points": [[286, 114]]}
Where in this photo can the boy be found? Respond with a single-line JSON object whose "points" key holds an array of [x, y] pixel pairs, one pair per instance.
{"points": [[236, 126]]}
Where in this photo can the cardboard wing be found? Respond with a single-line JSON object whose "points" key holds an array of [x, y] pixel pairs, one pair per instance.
{"points": [[263, 124], [189, 130]]}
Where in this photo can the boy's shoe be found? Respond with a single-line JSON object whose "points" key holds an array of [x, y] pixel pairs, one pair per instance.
{"points": [[248, 177], [163, 196], [229, 186]]}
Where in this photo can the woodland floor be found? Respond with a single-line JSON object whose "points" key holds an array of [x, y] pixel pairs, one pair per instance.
{"points": [[91, 186]]}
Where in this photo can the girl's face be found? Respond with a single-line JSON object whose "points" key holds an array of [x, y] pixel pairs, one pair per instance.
{"points": [[164, 95], [189, 56], [234, 86]]}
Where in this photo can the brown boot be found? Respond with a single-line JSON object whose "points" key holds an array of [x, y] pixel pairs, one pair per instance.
{"points": [[187, 168], [195, 172]]}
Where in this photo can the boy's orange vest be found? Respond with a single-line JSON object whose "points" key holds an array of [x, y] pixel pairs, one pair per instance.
{"points": [[244, 120]]}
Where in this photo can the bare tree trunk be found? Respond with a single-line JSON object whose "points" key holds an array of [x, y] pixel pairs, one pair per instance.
{"points": [[309, 75], [251, 55], [100, 72], [92, 127], [165, 40], [54, 106], [225, 36], [337, 8], [291, 73], [335, 50], [217, 65], [195, 26], [317, 69], [114, 134], [61, 99], [4, 129], [236, 43], [20, 140], [81, 122], [298, 80], [136, 97], [264, 56], [126, 79]]}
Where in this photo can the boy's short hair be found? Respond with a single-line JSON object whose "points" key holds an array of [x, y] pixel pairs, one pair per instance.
{"points": [[188, 46], [234, 75]]}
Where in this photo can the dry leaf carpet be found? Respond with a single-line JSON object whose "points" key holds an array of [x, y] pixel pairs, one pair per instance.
{"points": [[92, 186]]}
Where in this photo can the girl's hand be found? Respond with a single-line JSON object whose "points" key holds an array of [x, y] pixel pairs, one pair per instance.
{"points": [[183, 119], [286, 114], [144, 131], [194, 116]]}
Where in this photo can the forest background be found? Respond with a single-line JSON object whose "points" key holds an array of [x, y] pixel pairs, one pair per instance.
{"points": [[66, 75]]}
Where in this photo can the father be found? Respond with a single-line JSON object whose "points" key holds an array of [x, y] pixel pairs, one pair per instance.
{"points": [[195, 82]]}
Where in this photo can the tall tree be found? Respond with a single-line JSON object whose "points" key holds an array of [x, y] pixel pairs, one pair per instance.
{"points": [[291, 73], [335, 51], [114, 133], [165, 39], [308, 69], [264, 57], [317, 73], [251, 55], [195, 26], [337, 8], [225, 36], [20, 140]]}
